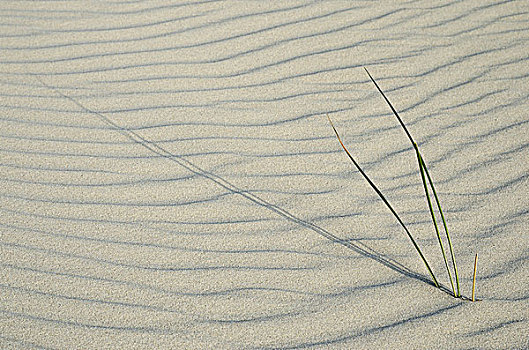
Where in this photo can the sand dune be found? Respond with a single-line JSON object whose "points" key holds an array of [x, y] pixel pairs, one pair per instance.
{"points": [[168, 178]]}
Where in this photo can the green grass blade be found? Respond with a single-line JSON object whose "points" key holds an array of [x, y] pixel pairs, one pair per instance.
{"points": [[385, 202], [423, 177], [444, 225], [427, 175], [392, 108]]}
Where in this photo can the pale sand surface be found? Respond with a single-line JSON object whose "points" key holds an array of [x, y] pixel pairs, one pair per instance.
{"points": [[168, 178]]}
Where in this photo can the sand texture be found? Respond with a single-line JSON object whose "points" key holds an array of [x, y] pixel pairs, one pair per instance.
{"points": [[168, 178]]}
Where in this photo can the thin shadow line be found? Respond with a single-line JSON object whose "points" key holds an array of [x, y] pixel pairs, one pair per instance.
{"points": [[357, 247]]}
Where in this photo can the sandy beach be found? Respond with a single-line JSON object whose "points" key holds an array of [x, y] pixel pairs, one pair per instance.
{"points": [[169, 179]]}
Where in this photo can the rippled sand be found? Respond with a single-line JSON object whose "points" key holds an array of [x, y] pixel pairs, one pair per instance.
{"points": [[168, 178]]}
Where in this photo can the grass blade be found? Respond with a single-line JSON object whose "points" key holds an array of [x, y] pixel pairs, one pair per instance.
{"points": [[385, 202], [444, 225], [474, 278], [392, 109], [421, 160], [423, 177]]}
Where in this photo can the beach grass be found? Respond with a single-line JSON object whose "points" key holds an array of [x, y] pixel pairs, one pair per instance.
{"points": [[424, 171], [428, 186], [423, 258], [474, 278]]}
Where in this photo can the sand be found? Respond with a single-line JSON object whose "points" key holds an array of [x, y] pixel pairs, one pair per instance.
{"points": [[168, 178]]}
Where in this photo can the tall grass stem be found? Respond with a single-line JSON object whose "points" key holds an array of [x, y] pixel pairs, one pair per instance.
{"points": [[423, 177], [445, 226], [385, 202]]}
